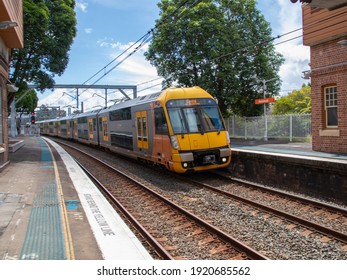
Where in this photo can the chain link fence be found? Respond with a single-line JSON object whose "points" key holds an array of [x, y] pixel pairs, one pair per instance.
{"points": [[289, 127]]}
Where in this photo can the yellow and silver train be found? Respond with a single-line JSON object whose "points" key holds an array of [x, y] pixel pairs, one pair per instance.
{"points": [[179, 128]]}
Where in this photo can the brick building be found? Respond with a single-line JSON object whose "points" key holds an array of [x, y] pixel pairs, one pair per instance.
{"points": [[325, 31], [11, 36]]}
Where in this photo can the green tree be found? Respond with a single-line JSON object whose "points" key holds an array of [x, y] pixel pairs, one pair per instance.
{"points": [[297, 102], [224, 46], [49, 30], [28, 103]]}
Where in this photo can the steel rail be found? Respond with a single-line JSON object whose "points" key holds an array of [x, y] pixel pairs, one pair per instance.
{"points": [[324, 230], [238, 245], [145, 234], [327, 206]]}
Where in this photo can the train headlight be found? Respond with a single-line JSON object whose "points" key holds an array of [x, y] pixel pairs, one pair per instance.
{"points": [[185, 164], [224, 159], [174, 142]]}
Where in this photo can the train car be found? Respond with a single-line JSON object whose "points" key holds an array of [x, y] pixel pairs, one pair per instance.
{"points": [[180, 128], [93, 134], [64, 128], [53, 128], [44, 129], [85, 127]]}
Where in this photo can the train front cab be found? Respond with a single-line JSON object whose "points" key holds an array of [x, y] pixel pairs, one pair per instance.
{"points": [[198, 138]]}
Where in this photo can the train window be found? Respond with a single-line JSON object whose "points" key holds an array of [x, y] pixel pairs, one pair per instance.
{"points": [[211, 118], [100, 123], [105, 129], [160, 122], [121, 114], [193, 120], [144, 128], [82, 120], [190, 102], [139, 132], [94, 124], [177, 120], [90, 124]]}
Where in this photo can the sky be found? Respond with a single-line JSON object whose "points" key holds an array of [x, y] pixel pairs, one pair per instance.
{"points": [[106, 28]]}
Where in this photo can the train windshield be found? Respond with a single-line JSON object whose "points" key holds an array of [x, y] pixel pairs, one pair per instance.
{"points": [[194, 116]]}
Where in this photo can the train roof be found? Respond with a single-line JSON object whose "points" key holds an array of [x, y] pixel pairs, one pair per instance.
{"points": [[132, 102], [84, 114], [168, 94]]}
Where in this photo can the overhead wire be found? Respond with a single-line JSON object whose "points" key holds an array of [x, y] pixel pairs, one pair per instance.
{"points": [[141, 41], [146, 38]]}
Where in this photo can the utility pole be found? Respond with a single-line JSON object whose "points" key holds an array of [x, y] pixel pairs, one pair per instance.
{"points": [[265, 117]]}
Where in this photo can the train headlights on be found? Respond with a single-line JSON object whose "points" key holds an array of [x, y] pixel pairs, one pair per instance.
{"points": [[174, 142], [185, 164], [224, 159]]}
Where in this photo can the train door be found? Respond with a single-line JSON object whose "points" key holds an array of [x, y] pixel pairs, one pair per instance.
{"points": [[68, 132], [90, 128], [142, 130], [58, 128], [104, 128], [75, 129], [161, 141]]}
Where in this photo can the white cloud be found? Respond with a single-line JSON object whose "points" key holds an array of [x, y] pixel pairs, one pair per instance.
{"points": [[296, 55], [57, 98], [138, 66], [288, 16], [110, 43], [82, 6], [92, 99], [282, 14], [132, 69], [88, 30]]}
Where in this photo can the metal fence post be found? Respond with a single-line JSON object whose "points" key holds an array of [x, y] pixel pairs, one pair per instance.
{"points": [[233, 125], [290, 128]]}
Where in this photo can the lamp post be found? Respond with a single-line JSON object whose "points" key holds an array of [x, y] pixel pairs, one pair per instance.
{"points": [[265, 118]]}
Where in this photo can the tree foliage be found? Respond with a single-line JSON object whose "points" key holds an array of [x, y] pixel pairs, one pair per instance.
{"points": [[297, 102], [28, 103], [224, 46], [49, 30]]}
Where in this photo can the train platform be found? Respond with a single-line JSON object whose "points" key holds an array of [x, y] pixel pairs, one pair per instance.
{"points": [[293, 167], [285, 148], [50, 210]]}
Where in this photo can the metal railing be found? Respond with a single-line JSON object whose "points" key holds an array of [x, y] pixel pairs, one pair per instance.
{"points": [[291, 127]]}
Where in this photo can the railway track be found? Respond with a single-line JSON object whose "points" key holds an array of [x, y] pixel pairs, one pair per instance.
{"points": [[166, 226], [329, 216], [270, 232]]}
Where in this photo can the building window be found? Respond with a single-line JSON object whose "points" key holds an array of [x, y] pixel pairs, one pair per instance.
{"points": [[331, 106]]}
